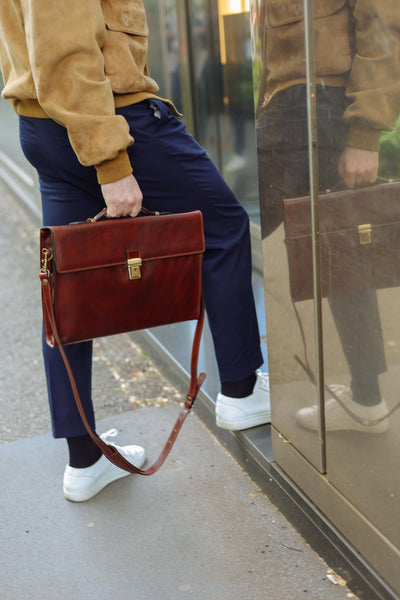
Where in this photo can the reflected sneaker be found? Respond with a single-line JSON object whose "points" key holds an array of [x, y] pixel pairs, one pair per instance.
{"points": [[337, 419], [242, 413], [81, 484]]}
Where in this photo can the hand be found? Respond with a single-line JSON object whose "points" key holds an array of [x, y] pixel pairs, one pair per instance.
{"points": [[123, 197], [358, 167]]}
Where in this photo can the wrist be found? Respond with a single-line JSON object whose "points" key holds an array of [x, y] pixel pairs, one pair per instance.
{"points": [[363, 137], [112, 170]]}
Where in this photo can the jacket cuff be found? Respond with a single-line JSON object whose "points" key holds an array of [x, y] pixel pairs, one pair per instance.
{"points": [[364, 137], [117, 168]]}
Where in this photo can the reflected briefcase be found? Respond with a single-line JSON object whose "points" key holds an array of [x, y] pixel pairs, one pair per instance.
{"points": [[359, 234]]}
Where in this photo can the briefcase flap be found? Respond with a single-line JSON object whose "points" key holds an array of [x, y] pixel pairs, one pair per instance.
{"points": [[95, 245], [347, 210]]}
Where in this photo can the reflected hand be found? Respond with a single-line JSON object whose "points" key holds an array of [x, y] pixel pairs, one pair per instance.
{"points": [[358, 167], [122, 197]]}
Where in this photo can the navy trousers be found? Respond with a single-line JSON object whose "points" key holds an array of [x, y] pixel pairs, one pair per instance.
{"points": [[174, 174]]}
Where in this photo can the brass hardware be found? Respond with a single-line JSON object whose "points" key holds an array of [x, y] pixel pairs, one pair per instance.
{"points": [[364, 231], [47, 256], [134, 265]]}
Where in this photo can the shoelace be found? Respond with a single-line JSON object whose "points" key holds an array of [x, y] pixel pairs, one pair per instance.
{"points": [[264, 380], [338, 388], [111, 433]]}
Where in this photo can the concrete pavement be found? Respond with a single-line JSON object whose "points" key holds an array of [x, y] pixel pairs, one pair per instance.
{"points": [[199, 528]]}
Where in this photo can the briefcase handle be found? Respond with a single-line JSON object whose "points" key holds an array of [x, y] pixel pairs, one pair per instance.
{"points": [[340, 186], [144, 210], [108, 450]]}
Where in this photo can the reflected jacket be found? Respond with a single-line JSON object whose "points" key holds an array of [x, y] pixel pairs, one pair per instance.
{"points": [[357, 46], [75, 62]]}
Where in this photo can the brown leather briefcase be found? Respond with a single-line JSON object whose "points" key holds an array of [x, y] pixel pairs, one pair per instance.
{"points": [[119, 275], [359, 235], [104, 277]]}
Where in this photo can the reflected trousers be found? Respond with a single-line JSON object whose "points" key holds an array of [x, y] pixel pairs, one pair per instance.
{"points": [[174, 174], [282, 143]]}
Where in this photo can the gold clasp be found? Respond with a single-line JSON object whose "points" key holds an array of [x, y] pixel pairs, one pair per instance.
{"points": [[47, 256], [364, 231], [134, 265]]}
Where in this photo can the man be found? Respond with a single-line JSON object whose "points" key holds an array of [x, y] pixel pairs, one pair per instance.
{"points": [[92, 125]]}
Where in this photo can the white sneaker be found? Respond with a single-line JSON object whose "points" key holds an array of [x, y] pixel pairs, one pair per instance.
{"points": [[242, 413], [337, 419], [81, 484]]}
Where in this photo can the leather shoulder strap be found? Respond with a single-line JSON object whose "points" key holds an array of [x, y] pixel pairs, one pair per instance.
{"points": [[108, 450]]}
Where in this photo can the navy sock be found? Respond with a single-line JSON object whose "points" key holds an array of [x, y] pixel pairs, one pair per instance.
{"points": [[83, 452], [239, 389], [366, 393]]}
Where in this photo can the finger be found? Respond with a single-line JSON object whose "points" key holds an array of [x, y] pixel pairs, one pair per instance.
{"points": [[134, 213], [371, 176], [112, 212], [366, 178], [115, 211], [349, 180], [135, 210]]}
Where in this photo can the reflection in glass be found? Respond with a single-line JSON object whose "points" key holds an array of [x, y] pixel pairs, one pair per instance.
{"points": [[238, 148], [282, 144], [206, 75], [157, 53], [360, 447], [357, 69], [203, 62]]}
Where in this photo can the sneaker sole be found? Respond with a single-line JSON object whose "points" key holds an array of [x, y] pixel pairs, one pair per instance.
{"points": [[381, 427], [245, 422]]}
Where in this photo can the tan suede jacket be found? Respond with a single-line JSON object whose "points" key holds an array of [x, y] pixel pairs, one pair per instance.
{"points": [[74, 62], [357, 46]]}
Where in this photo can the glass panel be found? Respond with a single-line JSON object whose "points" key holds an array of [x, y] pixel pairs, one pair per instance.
{"points": [[158, 54], [222, 96], [358, 103], [282, 144], [168, 60], [206, 77], [239, 160]]}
